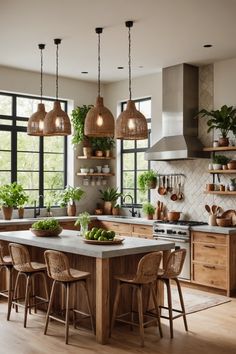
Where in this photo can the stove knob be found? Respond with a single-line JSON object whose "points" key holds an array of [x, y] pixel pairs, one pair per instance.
{"points": [[169, 232], [180, 233], [174, 232]]}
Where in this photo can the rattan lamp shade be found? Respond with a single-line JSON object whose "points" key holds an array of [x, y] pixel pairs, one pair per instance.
{"points": [[131, 124], [57, 121], [99, 121], [36, 121]]}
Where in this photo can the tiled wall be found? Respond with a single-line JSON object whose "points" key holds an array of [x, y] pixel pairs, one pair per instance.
{"points": [[192, 206]]}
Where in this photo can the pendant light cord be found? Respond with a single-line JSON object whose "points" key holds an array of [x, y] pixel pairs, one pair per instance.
{"points": [[41, 47], [57, 41], [99, 66], [129, 63]]}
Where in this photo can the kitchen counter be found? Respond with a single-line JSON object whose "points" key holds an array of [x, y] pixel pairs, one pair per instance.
{"points": [[215, 229], [102, 262]]}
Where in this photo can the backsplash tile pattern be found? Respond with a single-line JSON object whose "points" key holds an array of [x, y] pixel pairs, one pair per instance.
{"points": [[193, 205]]}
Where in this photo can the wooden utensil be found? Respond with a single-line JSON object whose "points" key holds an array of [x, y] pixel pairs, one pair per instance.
{"points": [[174, 196], [208, 209], [213, 209]]}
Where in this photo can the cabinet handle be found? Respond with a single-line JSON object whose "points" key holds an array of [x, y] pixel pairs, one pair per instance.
{"points": [[116, 225], [209, 246], [210, 236], [209, 266], [142, 228]]}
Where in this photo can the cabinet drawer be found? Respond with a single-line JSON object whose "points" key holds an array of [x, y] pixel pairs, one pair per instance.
{"points": [[120, 228], [142, 230], [210, 275], [209, 237], [134, 234], [210, 253]]}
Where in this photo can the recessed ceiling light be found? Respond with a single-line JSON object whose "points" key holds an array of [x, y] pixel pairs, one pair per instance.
{"points": [[207, 45], [120, 67], [84, 72], [140, 66]]}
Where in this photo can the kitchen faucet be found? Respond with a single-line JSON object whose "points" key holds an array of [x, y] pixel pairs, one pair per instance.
{"points": [[37, 210], [133, 213]]}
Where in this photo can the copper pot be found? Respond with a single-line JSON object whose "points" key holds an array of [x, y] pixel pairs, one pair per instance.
{"points": [[173, 215]]}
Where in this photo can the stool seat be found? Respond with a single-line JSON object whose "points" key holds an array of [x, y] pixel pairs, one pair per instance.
{"points": [[58, 269], [36, 267], [145, 276], [6, 260]]}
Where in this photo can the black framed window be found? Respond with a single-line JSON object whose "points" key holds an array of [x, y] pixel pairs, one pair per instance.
{"points": [[132, 158], [38, 163]]}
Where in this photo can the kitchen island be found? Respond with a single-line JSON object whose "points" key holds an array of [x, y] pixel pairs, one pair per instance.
{"points": [[101, 261]]}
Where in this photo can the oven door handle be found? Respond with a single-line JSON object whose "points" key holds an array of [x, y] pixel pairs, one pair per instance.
{"points": [[171, 239]]}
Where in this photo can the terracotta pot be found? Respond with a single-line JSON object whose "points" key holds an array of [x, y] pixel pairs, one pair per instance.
{"points": [[21, 213], [71, 209], [223, 141], [173, 215], [108, 153], [87, 151], [107, 208], [99, 153], [150, 216], [7, 212], [231, 165], [115, 211]]}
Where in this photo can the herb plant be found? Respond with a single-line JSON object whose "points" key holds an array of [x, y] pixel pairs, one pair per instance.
{"points": [[69, 195], [13, 195], [146, 179], [148, 209], [46, 224], [220, 159]]}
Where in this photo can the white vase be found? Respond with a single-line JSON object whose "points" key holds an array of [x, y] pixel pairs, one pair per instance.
{"points": [[217, 166]]}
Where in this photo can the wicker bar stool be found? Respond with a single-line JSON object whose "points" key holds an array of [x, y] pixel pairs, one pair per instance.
{"points": [[145, 276], [6, 263], [58, 269], [23, 265], [172, 270]]}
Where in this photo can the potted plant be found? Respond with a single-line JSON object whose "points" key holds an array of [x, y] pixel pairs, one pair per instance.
{"points": [[115, 209], [218, 161], [148, 210], [110, 197], [223, 119], [83, 220], [107, 144], [46, 227], [11, 195], [67, 198], [21, 199], [78, 119], [147, 180], [232, 185]]}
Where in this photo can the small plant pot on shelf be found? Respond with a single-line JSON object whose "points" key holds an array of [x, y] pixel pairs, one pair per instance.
{"points": [[223, 141], [217, 166], [7, 212], [108, 153], [98, 153], [87, 151]]}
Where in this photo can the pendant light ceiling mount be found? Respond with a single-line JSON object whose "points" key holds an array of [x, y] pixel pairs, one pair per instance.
{"points": [[57, 122], [131, 124], [99, 121], [35, 124]]}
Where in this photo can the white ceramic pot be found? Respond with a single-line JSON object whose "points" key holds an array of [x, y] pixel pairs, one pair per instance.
{"points": [[217, 166], [105, 169]]}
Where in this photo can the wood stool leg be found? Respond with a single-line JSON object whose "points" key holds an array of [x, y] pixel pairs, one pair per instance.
{"points": [[9, 300], [33, 294], [88, 303], [49, 306], [115, 306], [182, 303], [15, 293], [155, 300], [132, 306], [167, 282], [74, 303], [45, 285], [67, 311], [140, 313], [27, 300]]}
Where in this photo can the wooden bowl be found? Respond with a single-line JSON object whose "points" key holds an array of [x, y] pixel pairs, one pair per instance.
{"points": [[224, 222], [47, 233], [231, 165]]}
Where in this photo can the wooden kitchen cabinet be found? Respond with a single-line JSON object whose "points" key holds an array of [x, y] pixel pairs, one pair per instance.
{"points": [[144, 231], [123, 229], [214, 261]]}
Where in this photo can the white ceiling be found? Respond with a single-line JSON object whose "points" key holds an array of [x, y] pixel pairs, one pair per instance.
{"points": [[165, 32]]}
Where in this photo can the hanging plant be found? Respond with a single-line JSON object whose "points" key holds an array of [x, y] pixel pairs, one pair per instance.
{"points": [[78, 119]]}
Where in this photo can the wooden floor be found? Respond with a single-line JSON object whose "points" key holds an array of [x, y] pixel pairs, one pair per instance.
{"points": [[212, 331]]}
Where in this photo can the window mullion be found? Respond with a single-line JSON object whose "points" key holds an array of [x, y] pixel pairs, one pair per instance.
{"points": [[41, 171], [14, 142]]}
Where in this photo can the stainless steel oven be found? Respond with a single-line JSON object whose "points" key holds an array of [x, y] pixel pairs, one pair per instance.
{"points": [[179, 233]]}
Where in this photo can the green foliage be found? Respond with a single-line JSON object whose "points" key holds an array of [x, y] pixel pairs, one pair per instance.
{"points": [[223, 119], [83, 219], [78, 119], [102, 144], [13, 195], [220, 159], [69, 195], [145, 178], [47, 224], [233, 181], [110, 195], [148, 209]]}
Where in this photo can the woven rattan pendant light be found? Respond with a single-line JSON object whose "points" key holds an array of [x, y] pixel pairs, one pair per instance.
{"points": [[36, 121], [57, 121], [131, 124], [99, 121]]}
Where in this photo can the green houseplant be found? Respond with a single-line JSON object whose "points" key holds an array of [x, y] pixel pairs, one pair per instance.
{"points": [[223, 119], [102, 146], [46, 227], [68, 196], [147, 180], [219, 160], [83, 220], [78, 119], [110, 197], [149, 210], [12, 195]]}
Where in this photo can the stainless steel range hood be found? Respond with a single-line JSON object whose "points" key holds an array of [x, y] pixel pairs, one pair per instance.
{"points": [[180, 105]]}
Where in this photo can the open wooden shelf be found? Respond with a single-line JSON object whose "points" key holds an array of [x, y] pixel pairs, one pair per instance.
{"points": [[95, 158], [96, 174], [220, 148], [222, 171], [221, 193]]}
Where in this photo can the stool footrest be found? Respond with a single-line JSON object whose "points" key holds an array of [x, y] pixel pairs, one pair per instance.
{"points": [[119, 318]]}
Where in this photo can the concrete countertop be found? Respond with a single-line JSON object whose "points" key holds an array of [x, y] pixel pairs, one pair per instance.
{"points": [[125, 219], [69, 241], [215, 229]]}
